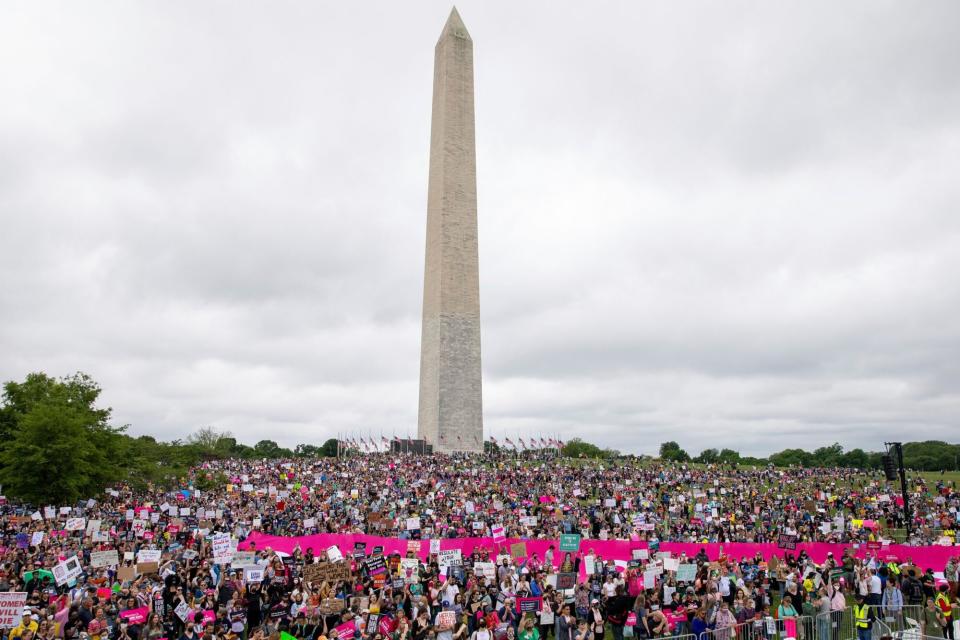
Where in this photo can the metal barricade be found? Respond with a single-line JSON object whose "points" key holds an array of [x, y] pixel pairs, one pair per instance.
{"points": [[794, 628], [683, 636], [902, 620], [836, 625]]}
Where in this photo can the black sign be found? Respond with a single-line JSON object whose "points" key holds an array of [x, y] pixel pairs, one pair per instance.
{"points": [[375, 565], [359, 550], [566, 580], [785, 541]]}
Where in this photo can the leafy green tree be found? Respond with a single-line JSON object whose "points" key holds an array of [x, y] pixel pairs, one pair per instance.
{"points": [[707, 456], [672, 451], [308, 451], [329, 448], [577, 448], [62, 448], [729, 456]]}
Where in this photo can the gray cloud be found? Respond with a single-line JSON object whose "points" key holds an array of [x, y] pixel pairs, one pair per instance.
{"points": [[724, 224]]}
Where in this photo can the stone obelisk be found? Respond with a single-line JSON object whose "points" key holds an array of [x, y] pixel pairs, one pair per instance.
{"points": [[451, 407]]}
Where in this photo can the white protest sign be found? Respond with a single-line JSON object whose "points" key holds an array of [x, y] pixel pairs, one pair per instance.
{"points": [[182, 610], [333, 554], [11, 608], [104, 558], [36, 538], [309, 523], [222, 550], [434, 545], [93, 525], [69, 569], [413, 524], [148, 555], [75, 524], [251, 575]]}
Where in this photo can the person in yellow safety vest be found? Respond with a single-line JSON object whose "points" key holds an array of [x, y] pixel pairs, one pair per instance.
{"points": [[893, 568], [943, 601], [863, 619]]}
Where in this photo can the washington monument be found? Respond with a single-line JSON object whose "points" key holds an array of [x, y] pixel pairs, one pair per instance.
{"points": [[451, 406]]}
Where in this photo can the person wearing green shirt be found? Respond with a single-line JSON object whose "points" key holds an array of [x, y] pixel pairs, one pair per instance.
{"points": [[528, 630]]}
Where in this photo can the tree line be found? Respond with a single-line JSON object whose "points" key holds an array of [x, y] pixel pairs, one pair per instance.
{"points": [[57, 446]]}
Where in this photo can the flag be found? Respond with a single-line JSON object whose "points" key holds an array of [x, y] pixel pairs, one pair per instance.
{"points": [[493, 440]]}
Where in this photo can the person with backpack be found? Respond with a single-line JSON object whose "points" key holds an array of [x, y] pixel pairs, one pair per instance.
{"points": [[912, 589]]}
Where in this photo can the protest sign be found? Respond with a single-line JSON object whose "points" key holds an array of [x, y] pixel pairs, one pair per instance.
{"points": [[486, 569], [570, 542], [148, 555], [345, 631], [104, 558], [413, 524], [331, 606], [222, 549], [566, 581], [147, 568], [518, 550], [182, 610], [136, 616], [75, 524], [251, 575], [334, 554], [69, 569], [787, 541], [11, 608], [36, 538], [686, 573], [527, 605], [445, 620], [499, 534]]}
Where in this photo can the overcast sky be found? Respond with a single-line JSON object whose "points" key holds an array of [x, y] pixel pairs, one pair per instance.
{"points": [[721, 223]]}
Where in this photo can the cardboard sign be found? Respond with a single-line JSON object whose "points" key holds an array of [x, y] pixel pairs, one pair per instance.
{"points": [[326, 572], [331, 606], [104, 558], [11, 608], [518, 550], [147, 568], [127, 574]]}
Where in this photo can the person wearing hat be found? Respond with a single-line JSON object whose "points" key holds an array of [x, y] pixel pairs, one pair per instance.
{"points": [[27, 623]]}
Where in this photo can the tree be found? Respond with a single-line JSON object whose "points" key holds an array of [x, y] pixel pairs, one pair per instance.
{"points": [[491, 447], [270, 449], [577, 448], [728, 456], [209, 438], [307, 451], [329, 448], [707, 456], [61, 448], [672, 451]]}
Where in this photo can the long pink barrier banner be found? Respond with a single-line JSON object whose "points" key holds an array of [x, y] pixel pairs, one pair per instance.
{"points": [[934, 557]]}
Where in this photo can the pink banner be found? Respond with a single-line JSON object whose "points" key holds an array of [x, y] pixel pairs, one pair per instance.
{"points": [[136, 616], [934, 557]]}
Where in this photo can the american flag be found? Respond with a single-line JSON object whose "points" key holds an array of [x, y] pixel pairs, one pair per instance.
{"points": [[493, 440]]}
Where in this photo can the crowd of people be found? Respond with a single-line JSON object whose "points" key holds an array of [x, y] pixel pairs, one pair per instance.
{"points": [[152, 563]]}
